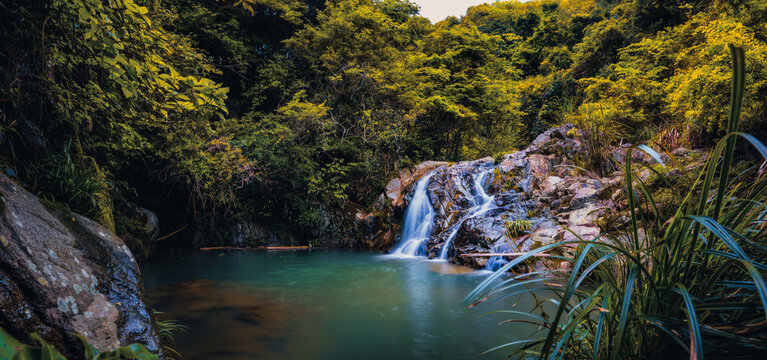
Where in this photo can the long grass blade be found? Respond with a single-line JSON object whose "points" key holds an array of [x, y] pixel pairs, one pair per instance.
{"points": [[518, 342], [652, 153], [724, 235], [569, 290], [475, 294], [621, 329], [738, 82], [600, 326], [696, 340], [662, 325], [759, 283]]}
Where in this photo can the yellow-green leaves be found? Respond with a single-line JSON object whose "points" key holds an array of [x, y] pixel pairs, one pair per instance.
{"points": [[133, 51]]}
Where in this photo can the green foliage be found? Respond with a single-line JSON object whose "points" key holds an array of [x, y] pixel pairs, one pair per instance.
{"points": [[680, 77], [296, 111], [599, 127], [150, 73], [60, 180], [330, 182], [464, 96], [692, 284], [518, 227], [12, 349], [168, 329], [126, 97]]}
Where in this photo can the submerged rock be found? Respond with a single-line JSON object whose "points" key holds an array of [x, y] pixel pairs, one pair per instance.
{"points": [[64, 274]]}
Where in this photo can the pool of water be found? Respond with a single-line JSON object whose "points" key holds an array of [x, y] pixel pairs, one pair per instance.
{"points": [[324, 305]]}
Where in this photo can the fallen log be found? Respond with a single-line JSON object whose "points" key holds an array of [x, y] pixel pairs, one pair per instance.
{"points": [[500, 254], [172, 233], [261, 248], [232, 248], [290, 248]]}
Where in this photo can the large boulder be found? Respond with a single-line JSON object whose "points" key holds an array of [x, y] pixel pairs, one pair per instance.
{"points": [[398, 188], [64, 274]]}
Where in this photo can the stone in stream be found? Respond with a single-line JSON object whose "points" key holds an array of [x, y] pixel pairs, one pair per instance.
{"points": [[64, 274]]}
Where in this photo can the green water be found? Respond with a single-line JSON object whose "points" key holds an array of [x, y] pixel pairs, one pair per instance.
{"points": [[324, 305]]}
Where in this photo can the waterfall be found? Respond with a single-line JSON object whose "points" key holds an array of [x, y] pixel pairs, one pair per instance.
{"points": [[419, 219], [446, 247], [484, 201], [495, 263], [482, 204]]}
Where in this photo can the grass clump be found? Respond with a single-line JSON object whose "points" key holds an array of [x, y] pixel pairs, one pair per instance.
{"points": [[692, 283], [518, 227], [168, 329], [59, 179]]}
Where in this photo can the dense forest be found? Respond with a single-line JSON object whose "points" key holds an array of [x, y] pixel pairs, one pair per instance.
{"points": [[294, 113]]}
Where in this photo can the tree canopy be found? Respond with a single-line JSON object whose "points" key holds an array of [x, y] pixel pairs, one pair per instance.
{"points": [[296, 112]]}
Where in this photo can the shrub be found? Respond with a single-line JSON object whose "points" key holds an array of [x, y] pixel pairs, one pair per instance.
{"points": [[518, 227], [599, 125], [59, 179]]}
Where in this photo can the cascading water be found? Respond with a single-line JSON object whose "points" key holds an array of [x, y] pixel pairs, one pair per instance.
{"points": [[495, 262], [419, 219], [482, 204], [446, 247], [485, 201]]}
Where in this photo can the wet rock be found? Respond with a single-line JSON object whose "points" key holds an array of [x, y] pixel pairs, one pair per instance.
{"points": [[394, 189], [539, 186], [680, 151], [584, 193], [380, 203], [139, 228], [377, 229], [556, 203], [365, 222], [550, 185], [64, 274], [397, 189], [247, 233], [152, 224], [548, 232], [582, 222]]}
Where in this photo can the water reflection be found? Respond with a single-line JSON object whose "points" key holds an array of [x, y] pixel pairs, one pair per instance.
{"points": [[322, 305]]}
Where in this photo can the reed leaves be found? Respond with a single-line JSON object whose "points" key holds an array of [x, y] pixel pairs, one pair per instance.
{"points": [[691, 284]]}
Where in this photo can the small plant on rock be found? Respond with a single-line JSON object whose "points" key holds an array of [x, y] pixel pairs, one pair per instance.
{"points": [[518, 227]]}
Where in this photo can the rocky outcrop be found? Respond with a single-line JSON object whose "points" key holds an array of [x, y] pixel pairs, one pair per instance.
{"points": [[379, 226], [538, 198], [64, 274]]}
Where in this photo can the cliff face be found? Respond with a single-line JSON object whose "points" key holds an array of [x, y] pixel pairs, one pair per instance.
{"points": [[530, 198], [64, 274]]}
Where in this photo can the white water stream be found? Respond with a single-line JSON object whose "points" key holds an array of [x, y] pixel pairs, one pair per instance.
{"points": [[419, 220], [482, 204]]}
